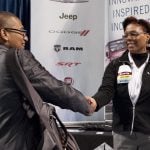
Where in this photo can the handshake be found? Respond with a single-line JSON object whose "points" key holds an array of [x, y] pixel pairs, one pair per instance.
{"points": [[92, 103]]}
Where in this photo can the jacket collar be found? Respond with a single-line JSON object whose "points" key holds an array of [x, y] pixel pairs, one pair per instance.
{"points": [[124, 58], [3, 48]]}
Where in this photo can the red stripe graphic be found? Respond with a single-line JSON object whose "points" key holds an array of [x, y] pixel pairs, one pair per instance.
{"points": [[84, 32]]}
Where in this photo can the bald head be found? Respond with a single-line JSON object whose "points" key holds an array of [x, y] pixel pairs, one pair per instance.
{"points": [[12, 33], [6, 19]]}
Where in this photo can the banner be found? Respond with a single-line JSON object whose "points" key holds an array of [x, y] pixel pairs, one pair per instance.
{"points": [[65, 38], [116, 11]]}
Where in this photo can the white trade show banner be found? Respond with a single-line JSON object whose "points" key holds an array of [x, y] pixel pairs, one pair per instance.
{"points": [[65, 37], [116, 12]]}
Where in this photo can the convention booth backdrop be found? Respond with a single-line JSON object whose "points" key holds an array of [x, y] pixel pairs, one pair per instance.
{"points": [[66, 37]]}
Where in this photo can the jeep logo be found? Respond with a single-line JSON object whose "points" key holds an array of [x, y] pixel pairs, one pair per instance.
{"points": [[67, 16]]}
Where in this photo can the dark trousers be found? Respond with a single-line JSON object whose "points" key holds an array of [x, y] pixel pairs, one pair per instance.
{"points": [[136, 141]]}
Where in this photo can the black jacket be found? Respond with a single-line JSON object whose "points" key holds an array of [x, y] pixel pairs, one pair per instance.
{"points": [[122, 105], [17, 131]]}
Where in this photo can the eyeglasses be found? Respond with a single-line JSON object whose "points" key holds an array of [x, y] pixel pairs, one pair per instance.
{"points": [[18, 31], [132, 34]]}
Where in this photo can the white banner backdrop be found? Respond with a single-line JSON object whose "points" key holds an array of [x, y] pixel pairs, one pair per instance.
{"points": [[65, 37], [117, 11]]}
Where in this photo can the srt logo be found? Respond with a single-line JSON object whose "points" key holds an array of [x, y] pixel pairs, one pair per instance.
{"points": [[68, 64]]}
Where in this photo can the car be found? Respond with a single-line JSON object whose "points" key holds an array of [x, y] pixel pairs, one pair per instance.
{"points": [[115, 48]]}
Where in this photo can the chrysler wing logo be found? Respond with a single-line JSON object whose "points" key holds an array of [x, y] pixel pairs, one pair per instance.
{"points": [[71, 1]]}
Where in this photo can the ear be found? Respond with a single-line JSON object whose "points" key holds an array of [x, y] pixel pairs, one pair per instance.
{"points": [[148, 41], [4, 34], [148, 37]]}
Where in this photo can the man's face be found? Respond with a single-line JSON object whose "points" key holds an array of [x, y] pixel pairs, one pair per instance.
{"points": [[16, 35], [136, 39]]}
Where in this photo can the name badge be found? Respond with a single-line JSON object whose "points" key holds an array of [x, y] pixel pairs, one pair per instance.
{"points": [[124, 74]]}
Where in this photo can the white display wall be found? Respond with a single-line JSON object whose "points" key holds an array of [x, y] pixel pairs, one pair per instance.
{"points": [[67, 37]]}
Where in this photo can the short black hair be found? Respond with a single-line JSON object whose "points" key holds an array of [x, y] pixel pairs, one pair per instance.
{"points": [[133, 20], [5, 18]]}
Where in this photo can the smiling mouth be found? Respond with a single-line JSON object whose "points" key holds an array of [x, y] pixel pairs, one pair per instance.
{"points": [[130, 44]]}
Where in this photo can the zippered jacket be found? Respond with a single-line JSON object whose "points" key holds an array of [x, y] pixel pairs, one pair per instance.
{"points": [[17, 130], [122, 105]]}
